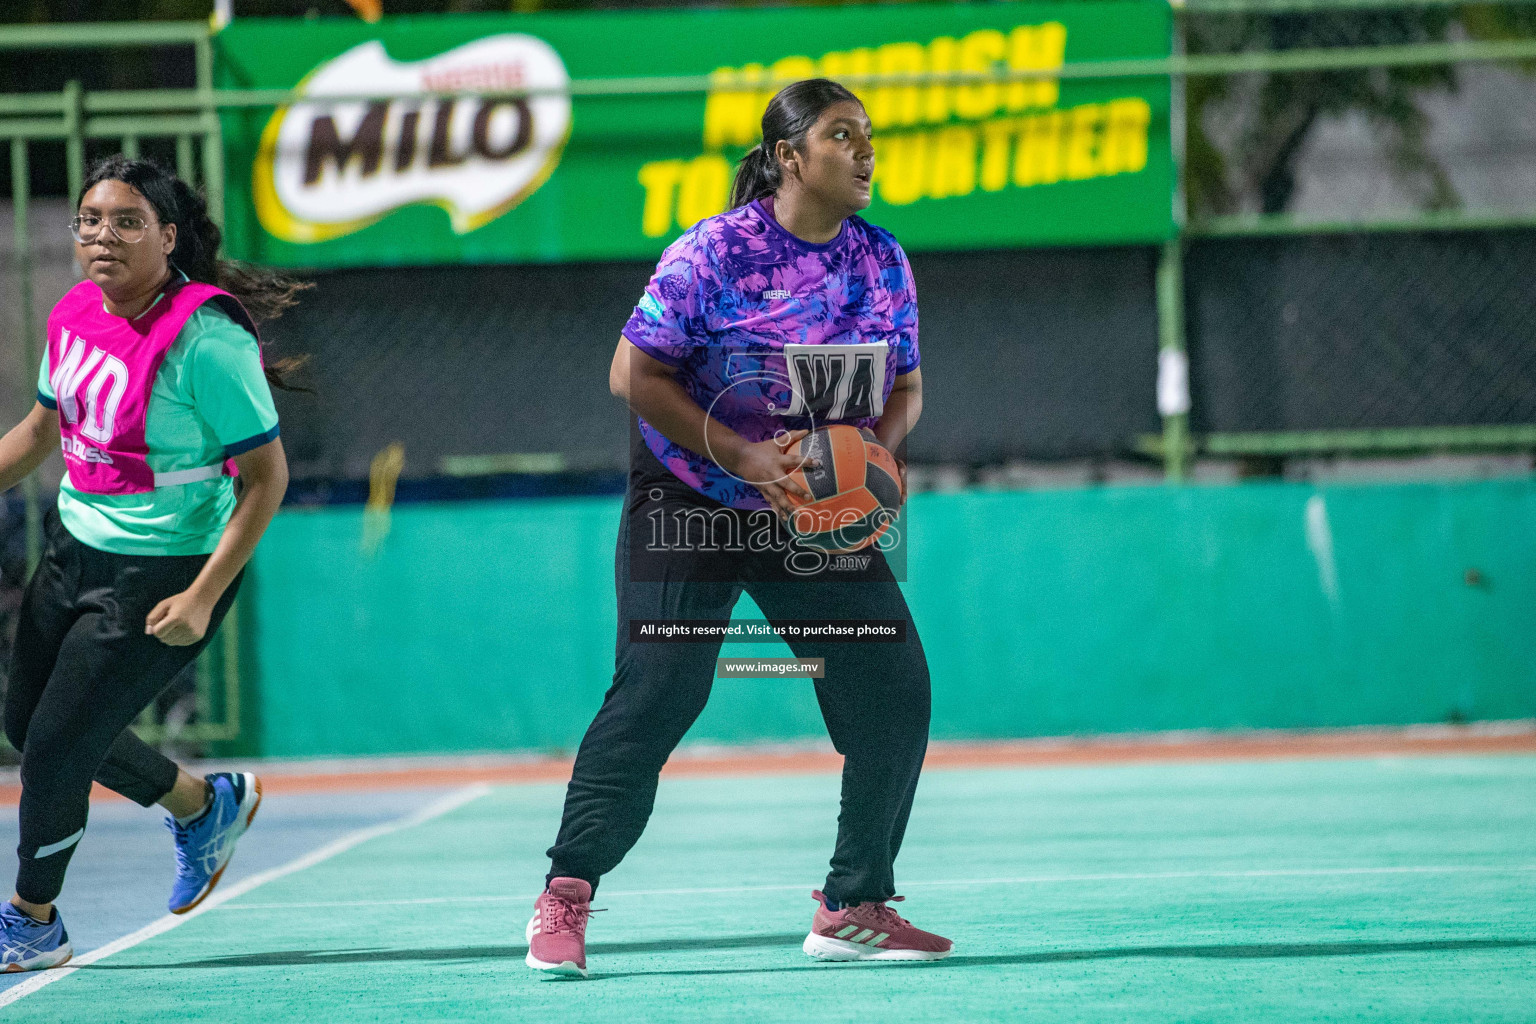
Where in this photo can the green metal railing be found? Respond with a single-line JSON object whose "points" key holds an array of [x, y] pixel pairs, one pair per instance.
{"points": [[1394, 440], [74, 116], [191, 117]]}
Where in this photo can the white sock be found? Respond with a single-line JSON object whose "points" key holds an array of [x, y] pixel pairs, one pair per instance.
{"points": [[207, 803]]}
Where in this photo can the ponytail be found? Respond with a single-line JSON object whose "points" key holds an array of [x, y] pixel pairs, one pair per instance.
{"points": [[757, 177], [791, 114], [264, 293]]}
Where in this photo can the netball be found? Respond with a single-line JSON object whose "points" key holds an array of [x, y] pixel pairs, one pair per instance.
{"points": [[856, 486]]}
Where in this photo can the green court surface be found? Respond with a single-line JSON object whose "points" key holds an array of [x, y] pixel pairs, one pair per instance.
{"points": [[1398, 889]]}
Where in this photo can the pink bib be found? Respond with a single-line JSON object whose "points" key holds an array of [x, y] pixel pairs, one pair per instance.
{"points": [[103, 367]]}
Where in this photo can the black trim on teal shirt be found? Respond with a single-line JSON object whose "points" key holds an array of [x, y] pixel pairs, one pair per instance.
{"points": [[46, 402], [241, 447]]}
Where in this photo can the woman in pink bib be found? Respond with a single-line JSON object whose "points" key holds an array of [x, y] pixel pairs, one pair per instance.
{"points": [[154, 388]]}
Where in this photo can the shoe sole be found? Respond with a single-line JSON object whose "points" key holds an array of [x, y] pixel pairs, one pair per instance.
{"points": [[252, 797], [66, 949], [824, 947], [564, 969]]}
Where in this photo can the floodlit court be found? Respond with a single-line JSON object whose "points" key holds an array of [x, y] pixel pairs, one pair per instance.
{"points": [[1049, 488], [1390, 887]]}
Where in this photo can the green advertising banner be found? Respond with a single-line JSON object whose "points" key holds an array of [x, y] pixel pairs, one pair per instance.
{"points": [[489, 175]]}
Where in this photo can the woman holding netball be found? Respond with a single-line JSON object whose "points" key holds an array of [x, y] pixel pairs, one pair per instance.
{"points": [[790, 274], [153, 380]]}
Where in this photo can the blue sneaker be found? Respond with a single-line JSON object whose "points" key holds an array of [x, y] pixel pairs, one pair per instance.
{"points": [[205, 845], [26, 945]]}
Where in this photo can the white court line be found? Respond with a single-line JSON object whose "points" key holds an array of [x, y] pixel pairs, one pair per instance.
{"points": [[437, 809], [1449, 869]]}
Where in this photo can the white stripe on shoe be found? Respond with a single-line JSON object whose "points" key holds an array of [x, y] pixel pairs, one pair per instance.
{"points": [[866, 933], [565, 967]]}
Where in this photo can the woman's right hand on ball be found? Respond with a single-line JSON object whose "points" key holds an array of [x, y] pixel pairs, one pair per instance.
{"points": [[766, 465]]}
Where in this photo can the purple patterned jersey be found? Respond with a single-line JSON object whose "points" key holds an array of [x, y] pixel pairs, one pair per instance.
{"points": [[774, 333]]}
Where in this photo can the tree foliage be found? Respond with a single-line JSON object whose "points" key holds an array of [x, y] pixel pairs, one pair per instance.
{"points": [[1247, 133]]}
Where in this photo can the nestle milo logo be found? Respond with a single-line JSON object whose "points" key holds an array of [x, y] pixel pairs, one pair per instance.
{"points": [[327, 169]]}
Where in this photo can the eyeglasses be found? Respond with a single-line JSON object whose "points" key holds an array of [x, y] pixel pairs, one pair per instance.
{"points": [[129, 227]]}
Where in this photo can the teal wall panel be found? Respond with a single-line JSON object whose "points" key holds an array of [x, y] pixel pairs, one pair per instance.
{"points": [[490, 625]]}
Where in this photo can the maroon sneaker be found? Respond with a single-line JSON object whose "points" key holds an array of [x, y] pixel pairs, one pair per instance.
{"points": [[557, 934], [870, 931]]}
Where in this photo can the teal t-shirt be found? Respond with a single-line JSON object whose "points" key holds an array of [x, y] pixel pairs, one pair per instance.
{"points": [[210, 401]]}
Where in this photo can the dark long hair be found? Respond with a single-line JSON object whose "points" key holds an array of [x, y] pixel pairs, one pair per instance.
{"points": [[264, 293], [791, 114]]}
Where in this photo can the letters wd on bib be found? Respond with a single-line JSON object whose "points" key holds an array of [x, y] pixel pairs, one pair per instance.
{"points": [[493, 175], [102, 369]]}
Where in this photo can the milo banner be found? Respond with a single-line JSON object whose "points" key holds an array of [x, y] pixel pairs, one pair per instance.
{"points": [[493, 176]]}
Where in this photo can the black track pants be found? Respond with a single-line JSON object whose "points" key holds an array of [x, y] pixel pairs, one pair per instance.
{"points": [[874, 699], [81, 671]]}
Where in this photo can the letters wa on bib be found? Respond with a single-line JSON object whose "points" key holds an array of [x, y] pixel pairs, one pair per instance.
{"points": [[775, 333]]}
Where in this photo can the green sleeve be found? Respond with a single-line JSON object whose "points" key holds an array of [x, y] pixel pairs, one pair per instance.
{"points": [[45, 386], [226, 383]]}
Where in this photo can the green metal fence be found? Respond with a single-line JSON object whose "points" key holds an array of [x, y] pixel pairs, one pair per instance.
{"points": [[191, 118], [1176, 446], [73, 116]]}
